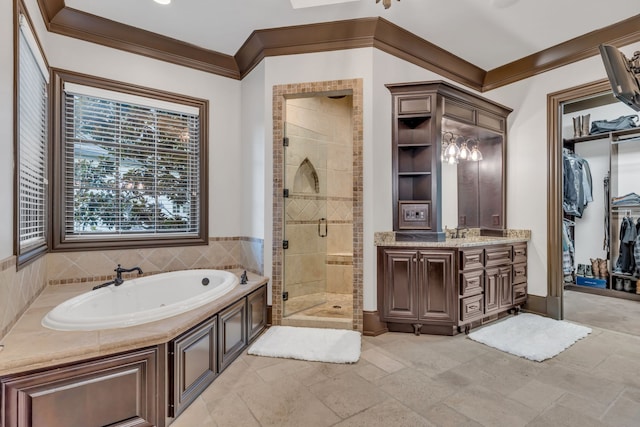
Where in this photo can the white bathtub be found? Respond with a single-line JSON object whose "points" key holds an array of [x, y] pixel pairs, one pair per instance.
{"points": [[140, 300]]}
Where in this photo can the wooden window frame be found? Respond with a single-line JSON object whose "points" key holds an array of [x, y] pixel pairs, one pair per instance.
{"points": [[59, 240]]}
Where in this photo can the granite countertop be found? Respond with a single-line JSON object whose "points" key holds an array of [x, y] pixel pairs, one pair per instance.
{"points": [[29, 345], [473, 238]]}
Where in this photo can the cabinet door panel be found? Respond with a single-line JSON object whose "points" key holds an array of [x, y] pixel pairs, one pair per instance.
{"points": [[506, 287], [400, 293], [436, 287], [114, 390], [491, 289], [257, 312], [194, 362], [232, 323]]}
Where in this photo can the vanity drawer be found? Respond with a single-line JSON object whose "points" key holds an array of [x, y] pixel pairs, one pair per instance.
{"points": [[499, 255], [471, 282], [519, 273], [471, 308], [520, 252], [471, 259], [519, 293]]}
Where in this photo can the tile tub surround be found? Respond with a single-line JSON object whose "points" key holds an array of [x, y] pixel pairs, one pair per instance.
{"points": [[222, 253], [29, 345], [387, 238], [18, 289]]}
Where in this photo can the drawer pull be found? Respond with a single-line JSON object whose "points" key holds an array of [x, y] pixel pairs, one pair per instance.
{"points": [[473, 307]]}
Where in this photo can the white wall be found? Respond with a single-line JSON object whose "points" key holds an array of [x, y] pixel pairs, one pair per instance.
{"points": [[225, 118], [6, 128], [313, 67]]}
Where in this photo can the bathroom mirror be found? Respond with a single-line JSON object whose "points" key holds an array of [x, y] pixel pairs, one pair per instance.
{"points": [[473, 192]]}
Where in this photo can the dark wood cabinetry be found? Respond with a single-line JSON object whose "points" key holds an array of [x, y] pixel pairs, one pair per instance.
{"points": [[117, 390], [233, 332], [422, 112], [145, 387], [194, 363], [443, 290], [419, 288]]}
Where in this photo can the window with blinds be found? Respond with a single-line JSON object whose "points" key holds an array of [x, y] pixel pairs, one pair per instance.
{"points": [[131, 169], [32, 147]]}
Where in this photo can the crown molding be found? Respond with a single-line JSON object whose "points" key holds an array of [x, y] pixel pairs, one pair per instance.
{"points": [[337, 35], [585, 46], [84, 26]]}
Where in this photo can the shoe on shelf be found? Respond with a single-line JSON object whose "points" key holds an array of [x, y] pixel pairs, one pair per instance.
{"points": [[580, 271], [619, 286], [603, 268], [588, 271], [595, 267], [627, 285]]}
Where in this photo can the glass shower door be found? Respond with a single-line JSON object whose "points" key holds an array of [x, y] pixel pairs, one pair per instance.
{"points": [[305, 216]]}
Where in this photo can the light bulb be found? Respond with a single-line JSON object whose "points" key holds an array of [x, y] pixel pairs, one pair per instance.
{"points": [[464, 151], [162, 1]]}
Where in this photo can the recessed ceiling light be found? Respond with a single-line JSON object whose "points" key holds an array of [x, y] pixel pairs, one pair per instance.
{"points": [[299, 4], [162, 1]]}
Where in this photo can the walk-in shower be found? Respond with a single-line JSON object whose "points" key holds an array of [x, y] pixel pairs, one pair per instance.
{"points": [[318, 211]]}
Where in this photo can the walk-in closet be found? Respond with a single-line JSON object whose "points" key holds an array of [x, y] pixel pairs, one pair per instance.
{"points": [[601, 200]]}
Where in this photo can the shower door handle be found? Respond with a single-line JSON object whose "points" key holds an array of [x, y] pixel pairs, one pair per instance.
{"points": [[322, 221]]}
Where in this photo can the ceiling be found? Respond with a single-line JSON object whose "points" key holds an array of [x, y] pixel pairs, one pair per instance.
{"points": [[486, 33]]}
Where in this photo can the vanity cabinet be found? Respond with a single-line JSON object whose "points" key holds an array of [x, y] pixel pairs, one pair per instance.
{"points": [[418, 290], [422, 113], [445, 290], [116, 390]]}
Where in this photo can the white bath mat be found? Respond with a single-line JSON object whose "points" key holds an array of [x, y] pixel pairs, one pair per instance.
{"points": [[313, 344], [531, 336]]}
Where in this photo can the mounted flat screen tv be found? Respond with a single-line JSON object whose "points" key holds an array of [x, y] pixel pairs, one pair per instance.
{"points": [[620, 70]]}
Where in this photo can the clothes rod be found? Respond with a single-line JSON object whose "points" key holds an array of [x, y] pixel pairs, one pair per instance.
{"points": [[620, 141]]}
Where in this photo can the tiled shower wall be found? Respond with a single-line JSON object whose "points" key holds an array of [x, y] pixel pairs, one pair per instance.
{"points": [[319, 176], [19, 288]]}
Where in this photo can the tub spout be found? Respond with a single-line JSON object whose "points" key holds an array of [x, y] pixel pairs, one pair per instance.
{"points": [[104, 285], [119, 270], [243, 278]]}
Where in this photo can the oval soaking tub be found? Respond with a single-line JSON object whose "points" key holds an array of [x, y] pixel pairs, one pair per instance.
{"points": [[140, 300]]}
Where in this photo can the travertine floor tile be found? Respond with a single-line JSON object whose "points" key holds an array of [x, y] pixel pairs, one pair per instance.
{"points": [[405, 380], [386, 414], [347, 395]]}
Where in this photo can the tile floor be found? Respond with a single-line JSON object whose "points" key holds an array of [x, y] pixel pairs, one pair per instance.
{"points": [[405, 380]]}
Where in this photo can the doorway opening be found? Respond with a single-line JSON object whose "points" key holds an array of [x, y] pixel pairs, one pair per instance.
{"points": [[317, 174], [576, 295]]}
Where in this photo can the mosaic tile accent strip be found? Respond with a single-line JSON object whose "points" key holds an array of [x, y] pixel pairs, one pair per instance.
{"points": [[353, 211]]}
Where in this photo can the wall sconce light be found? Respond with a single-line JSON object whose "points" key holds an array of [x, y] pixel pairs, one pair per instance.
{"points": [[456, 147]]}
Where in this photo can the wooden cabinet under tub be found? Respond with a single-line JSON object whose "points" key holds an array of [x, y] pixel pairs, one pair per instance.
{"points": [[447, 290], [142, 387], [117, 390]]}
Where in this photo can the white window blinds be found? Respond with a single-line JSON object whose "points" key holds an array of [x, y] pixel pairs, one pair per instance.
{"points": [[131, 165], [32, 141]]}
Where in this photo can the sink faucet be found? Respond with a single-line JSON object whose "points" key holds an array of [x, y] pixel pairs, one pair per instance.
{"points": [[456, 233], [461, 232], [118, 280]]}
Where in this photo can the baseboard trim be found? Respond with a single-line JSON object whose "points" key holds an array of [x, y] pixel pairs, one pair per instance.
{"points": [[536, 304], [371, 324]]}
